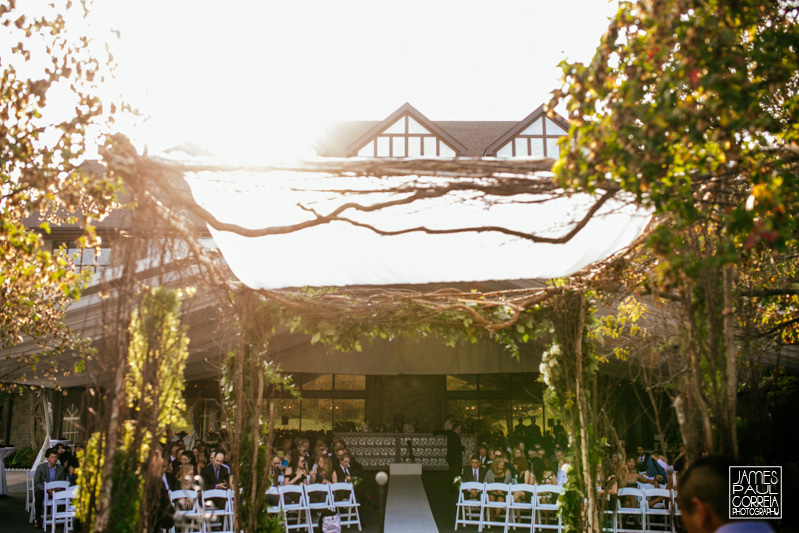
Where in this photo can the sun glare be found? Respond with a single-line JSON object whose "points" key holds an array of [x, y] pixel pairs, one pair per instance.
{"points": [[257, 81]]}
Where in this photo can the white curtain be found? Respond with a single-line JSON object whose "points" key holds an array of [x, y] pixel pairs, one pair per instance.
{"points": [[341, 254], [47, 414]]}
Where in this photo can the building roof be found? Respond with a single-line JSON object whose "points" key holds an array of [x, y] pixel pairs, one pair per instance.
{"points": [[474, 138]]}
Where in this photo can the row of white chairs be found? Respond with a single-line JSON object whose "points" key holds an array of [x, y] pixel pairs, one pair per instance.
{"points": [[299, 505], [58, 508], [207, 511], [647, 510], [537, 509]]}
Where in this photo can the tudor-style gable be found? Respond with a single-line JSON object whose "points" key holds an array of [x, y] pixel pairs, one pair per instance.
{"points": [[535, 136], [406, 133]]}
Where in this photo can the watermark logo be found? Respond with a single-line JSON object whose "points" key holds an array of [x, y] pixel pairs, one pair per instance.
{"points": [[756, 492]]}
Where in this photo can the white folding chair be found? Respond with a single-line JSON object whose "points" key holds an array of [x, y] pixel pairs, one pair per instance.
{"points": [[273, 509], [657, 517], [319, 497], [29, 494], [468, 511], [546, 507], [62, 508], [675, 503], [523, 509], [347, 503], [217, 519], [294, 506], [500, 490], [187, 503], [58, 486], [625, 508]]}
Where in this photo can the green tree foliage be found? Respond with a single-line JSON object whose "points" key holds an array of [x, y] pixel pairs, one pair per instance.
{"points": [[41, 148], [157, 355], [248, 379], [692, 107]]}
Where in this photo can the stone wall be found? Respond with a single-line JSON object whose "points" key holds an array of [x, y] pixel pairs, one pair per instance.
{"points": [[22, 419]]}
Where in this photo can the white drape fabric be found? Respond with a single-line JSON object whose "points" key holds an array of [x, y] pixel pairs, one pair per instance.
{"points": [[342, 254], [47, 415]]}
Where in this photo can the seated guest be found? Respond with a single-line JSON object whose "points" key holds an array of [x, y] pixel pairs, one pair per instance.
{"points": [[275, 479], [216, 475], [46, 472], [521, 471], [474, 472], [345, 470], [186, 481], [521, 475], [498, 473], [186, 477], [202, 461], [629, 476], [482, 453], [304, 446], [548, 474], [320, 450], [297, 471], [281, 454], [169, 478], [174, 455], [186, 458], [323, 470], [536, 471], [71, 465]]}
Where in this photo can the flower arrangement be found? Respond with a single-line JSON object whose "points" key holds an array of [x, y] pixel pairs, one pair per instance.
{"points": [[355, 480], [457, 481]]}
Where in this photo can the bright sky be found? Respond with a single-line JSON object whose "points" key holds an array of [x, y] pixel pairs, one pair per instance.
{"points": [[256, 78]]}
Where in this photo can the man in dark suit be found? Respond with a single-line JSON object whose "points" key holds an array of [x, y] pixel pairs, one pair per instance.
{"points": [[216, 475], [474, 472], [642, 461], [51, 470], [454, 450], [346, 470]]}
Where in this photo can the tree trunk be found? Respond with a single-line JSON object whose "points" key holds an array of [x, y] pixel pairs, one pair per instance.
{"points": [[732, 369], [591, 515]]}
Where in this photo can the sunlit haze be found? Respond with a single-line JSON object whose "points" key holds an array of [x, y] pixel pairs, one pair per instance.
{"points": [[256, 80]]}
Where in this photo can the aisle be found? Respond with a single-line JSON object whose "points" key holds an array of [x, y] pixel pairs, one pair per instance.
{"points": [[407, 508]]}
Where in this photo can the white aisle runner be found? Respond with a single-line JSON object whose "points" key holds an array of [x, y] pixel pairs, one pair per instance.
{"points": [[407, 508]]}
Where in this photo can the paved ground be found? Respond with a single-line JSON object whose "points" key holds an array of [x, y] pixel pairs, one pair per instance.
{"points": [[14, 519]]}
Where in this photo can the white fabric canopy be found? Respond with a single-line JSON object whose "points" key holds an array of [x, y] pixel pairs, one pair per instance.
{"points": [[47, 415], [340, 254]]}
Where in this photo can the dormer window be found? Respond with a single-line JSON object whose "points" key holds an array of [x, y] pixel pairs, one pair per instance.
{"points": [[406, 138], [539, 140]]}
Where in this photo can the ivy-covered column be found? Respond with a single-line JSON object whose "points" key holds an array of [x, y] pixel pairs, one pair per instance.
{"points": [[248, 379], [568, 367]]}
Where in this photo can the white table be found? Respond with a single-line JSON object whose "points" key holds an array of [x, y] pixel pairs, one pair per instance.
{"points": [[4, 452], [405, 469]]}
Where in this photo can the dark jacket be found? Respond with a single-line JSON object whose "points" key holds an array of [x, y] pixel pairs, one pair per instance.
{"points": [[164, 512], [42, 475], [468, 474], [210, 478]]}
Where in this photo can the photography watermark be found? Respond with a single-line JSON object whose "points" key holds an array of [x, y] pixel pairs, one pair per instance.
{"points": [[756, 492]]}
